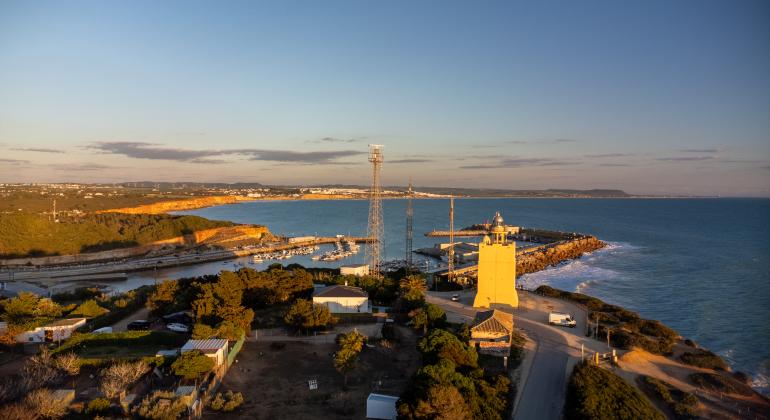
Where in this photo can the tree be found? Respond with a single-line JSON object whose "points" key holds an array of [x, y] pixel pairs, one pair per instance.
{"points": [[412, 292], [429, 316], [163, 296], [42, 402], [202, 331], [20, 307], [47, 308], [442, 344], [118, 376], [89, 309], [228, 330], [307, 316], [349, 346], [40, 370], [443, 402], [192, 364]]}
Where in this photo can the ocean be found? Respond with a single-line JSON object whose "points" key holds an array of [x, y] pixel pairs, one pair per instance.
{"points": [[701, 266]]}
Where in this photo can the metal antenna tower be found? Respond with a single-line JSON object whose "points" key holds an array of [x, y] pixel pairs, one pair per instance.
{"points": [[409, 222], [451, 250], [374, 235]]}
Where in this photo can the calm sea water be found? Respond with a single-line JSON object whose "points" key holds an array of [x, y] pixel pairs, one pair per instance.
{"points": [[702, 266]]}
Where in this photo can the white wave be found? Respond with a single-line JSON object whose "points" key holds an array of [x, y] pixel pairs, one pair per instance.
{"points": [[575, 275]]}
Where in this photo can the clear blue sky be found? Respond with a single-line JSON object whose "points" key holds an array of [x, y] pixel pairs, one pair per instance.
{"points": [[650, 97]]}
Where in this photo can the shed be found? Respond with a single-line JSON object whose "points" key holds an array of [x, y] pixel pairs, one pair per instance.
{"points": [[380, 406], [216, 348]]}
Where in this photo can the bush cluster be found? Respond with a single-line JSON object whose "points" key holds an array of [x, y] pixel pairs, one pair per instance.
{"points": [[704, 359], [720, 383], [226, 402], [596, 393], [680, 402]]}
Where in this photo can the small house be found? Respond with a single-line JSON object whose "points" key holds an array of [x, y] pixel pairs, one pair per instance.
{"points": [[492, 332], [355, 270], [215, 348], [343, 299], [58, 330], [380, 406]]}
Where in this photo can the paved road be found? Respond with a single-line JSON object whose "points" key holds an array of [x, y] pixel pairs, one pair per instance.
{"points": [[121, 325], [544, 391]]}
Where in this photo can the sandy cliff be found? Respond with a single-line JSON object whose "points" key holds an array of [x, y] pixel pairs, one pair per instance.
{"points": [[177, 205]]}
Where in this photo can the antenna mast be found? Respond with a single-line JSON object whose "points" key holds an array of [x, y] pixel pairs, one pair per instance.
{"points": [[451, 250], [409, 222], [374, 235]]}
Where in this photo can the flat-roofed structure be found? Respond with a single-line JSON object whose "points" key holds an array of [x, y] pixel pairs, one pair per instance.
{"points": [[216, 348], [355, 270], [380, 406], [343, 299]]}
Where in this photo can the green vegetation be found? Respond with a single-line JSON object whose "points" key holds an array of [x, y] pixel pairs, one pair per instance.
{"points": [[226, 402], [306, 316], [596, 393], [450, 384], [31, 235], [89, 309], [192, 364], [160, 405], [627, 329], [704, 359], [349, 346], [681, 403], [97, 349], [411, 293], [720, 383], [27, 311], [98, 406]]}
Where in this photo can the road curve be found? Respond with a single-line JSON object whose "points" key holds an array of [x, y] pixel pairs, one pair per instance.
{"points": [[543, 393]]}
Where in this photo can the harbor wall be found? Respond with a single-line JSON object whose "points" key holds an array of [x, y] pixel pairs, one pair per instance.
{"points": [[537, 259]]}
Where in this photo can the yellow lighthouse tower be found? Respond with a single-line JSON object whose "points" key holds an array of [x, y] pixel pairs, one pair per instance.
{"points": [[497, 269]]}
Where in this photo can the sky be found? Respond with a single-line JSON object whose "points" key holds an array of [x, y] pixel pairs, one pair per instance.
{"points": [[652, 97]]}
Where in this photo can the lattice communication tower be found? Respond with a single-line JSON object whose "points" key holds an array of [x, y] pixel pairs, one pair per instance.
{"points": [[375, 230], [451, 250]]}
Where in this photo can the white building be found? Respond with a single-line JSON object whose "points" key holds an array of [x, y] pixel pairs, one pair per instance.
{"points": [[355, 270], [343, 299], [214, 348], [56, 331], [379, 406]]}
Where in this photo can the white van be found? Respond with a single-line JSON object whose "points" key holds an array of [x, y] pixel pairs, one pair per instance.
{"points": [[561, 319]]}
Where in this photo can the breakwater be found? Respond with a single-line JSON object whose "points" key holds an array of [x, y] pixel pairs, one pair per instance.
{"points": [[535, 259]]}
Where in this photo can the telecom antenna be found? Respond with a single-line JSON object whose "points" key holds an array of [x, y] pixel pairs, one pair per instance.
{"points": [[451, 250], [374, 235], [409, 222]]}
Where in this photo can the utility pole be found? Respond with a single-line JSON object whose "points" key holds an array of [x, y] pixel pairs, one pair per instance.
{"points": [[409, 223]]}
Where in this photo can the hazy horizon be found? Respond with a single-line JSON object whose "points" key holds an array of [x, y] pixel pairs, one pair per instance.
{"points": [[655, 98]]}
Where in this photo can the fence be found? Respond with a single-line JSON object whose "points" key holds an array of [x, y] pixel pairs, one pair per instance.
{"points": [[234, 350]]}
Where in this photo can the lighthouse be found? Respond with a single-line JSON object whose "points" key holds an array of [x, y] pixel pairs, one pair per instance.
{"points": [[497, 269]]}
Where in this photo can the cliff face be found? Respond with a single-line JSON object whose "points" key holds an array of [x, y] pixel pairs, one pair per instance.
{"points": [[541, 258], [177, 205]]}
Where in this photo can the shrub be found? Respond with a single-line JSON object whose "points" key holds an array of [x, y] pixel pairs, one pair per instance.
{"points": [[98, 406], [160, 405], [306, 316], [704, 359], [89, 309], [42, 402], [118, 376], [192, 364], [226, 402], [719, 383], [596, 393]]}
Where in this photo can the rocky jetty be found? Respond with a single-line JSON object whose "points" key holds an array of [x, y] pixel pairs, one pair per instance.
{"points": [[554, 253]]}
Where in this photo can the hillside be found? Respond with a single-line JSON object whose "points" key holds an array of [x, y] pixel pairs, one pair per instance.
{"points": [[178, 205], [35, 235]]}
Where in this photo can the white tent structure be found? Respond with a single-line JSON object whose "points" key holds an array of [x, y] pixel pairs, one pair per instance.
{"points": [[379, 406]]}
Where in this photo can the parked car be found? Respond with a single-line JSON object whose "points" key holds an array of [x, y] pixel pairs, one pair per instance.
{"points": [[102, 330], [455, 297], [175, 327], [138, 325]]}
